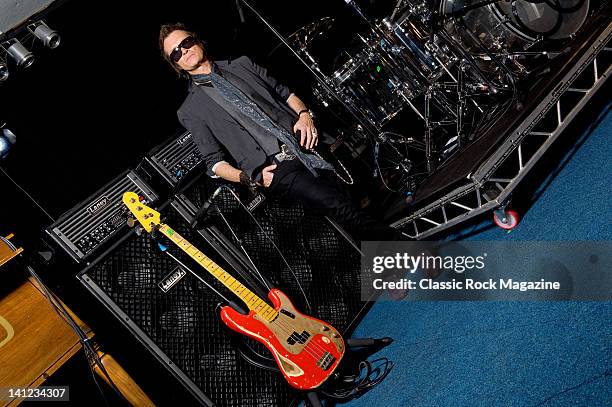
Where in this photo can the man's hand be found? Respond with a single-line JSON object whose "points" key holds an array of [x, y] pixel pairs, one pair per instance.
{"points": [[309, 137], [267, 175]]}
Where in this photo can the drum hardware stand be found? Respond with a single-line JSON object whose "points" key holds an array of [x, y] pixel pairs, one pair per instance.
{"points": [[466, 57], [405, 140], [443, 65], [457, 108], [461, 93], [537, 40], [408, 43], [409, 102], [494, 88], [323, 80], [396, 8], [428, 129], [461, 110]]}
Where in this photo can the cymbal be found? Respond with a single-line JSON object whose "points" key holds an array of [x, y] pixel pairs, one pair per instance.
{"points": [[304, 36]]}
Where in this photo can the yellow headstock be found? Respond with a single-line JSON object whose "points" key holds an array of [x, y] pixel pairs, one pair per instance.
{"points": [[147, 217]]}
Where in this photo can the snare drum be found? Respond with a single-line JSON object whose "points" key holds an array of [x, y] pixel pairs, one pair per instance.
{"points": [[374, 81]]}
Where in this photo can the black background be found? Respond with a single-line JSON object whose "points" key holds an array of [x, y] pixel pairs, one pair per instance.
{"points": [[88, 110], [91, 108]]}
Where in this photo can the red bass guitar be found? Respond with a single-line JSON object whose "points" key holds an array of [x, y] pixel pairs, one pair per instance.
{"points": [[307, 350]]}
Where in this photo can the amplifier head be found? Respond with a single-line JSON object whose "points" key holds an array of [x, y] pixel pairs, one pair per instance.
{"points": [[90, 225], [175, 159]]}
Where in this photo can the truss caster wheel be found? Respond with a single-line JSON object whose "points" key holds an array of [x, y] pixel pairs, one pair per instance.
{"points": [[506, 219]]}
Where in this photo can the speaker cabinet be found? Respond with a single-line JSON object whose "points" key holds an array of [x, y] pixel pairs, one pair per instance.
{"points": [[180, 326]]}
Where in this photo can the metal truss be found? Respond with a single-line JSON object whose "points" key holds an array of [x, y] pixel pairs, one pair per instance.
{"points": [[490, 186]]}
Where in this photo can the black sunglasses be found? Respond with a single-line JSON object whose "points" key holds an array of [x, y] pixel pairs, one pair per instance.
{"points": [[177, 53]]}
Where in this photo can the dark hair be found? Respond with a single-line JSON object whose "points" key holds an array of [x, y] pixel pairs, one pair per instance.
{"points": [[164, 31]]}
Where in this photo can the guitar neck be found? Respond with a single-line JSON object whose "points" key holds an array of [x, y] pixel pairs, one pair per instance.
{"points": [[252, 301]]}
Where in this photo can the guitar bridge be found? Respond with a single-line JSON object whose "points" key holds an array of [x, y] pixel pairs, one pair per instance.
{"points": [[326, 361]]}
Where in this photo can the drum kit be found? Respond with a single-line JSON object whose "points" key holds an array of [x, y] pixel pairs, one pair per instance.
{"points": [[456, 64]]}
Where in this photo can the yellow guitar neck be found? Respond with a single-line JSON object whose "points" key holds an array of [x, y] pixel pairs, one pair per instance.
{"points": [[252, 301]]}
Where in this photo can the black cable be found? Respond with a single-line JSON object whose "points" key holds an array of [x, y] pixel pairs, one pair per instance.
{"points": [[61, 311], [90, 353], [289, 268], [363, 380], [93, 376], [27, 194]]}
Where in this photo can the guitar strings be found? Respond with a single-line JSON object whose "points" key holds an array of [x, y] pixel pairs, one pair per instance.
{"points": [[314, 349], [184, 244]]}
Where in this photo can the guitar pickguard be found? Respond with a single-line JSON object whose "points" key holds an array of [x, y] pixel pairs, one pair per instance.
{"points": [[306, 362]]}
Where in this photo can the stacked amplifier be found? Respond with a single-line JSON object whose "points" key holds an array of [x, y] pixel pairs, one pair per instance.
{"points": [[174, 315], [98, 220], [176, 160]]}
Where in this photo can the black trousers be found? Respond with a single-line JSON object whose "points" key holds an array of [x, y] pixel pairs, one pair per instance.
{"points": [[326, 195]]}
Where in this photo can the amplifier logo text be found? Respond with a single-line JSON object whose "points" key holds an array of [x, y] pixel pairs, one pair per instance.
{"points": [[171, 279], [255, 202], [102, 202], [184, 139]]}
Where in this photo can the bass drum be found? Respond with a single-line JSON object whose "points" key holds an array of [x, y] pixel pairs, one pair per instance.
{"points": [[513, 26], [549, 19]]}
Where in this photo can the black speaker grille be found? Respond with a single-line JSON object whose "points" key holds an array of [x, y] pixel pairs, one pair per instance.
{"points": [[324, 262], [184, 322]]}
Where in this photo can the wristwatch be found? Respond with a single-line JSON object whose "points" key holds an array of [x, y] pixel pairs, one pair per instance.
{"points": [[247, 181], [312, 115]]}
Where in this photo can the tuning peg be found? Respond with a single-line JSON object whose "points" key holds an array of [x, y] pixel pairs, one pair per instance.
{"points": [[131, 222]]}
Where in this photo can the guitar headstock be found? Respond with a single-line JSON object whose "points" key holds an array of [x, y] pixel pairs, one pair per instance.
{"points": [[147, 217]]}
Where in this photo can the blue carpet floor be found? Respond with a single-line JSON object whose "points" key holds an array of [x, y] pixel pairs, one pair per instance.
{"points": [[512, 353]]}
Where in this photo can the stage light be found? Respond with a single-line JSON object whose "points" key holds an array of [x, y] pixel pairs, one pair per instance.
{"points": [[4, 71], [47, 35], [7, 139], [19, 53]]}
